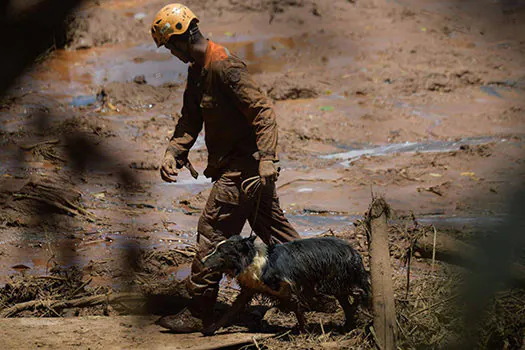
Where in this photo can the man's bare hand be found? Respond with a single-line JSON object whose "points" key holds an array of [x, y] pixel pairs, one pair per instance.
{"points": [[268, 171], [168, 169]]}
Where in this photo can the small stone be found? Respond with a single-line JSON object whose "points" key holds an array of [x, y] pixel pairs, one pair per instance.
{"points": [[140, 79]]}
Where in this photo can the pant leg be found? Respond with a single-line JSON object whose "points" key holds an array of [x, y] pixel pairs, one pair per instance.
{"points": [[224, 216], [269, 222]]}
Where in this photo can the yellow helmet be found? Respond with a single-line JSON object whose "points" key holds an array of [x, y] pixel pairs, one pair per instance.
{"points": [[172, 19]]}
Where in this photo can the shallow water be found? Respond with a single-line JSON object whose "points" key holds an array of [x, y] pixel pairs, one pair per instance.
{"points": [[408, 147], [71, 76]]}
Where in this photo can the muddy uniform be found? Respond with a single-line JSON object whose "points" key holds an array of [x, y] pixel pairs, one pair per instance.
{"points": [[239, 122]]}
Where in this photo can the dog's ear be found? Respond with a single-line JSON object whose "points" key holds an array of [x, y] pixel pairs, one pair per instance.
{"points": [[248, 243]]}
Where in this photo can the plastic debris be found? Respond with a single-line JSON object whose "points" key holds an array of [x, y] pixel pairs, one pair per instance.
{"points": [[490, 90], [305, 189], [80, 101], [470, 174]]}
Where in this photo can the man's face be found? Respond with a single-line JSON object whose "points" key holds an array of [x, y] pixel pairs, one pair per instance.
{"points": [[178, 49]]}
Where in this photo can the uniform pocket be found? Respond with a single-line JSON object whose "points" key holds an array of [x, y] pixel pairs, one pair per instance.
{"points": [[227, 191]]}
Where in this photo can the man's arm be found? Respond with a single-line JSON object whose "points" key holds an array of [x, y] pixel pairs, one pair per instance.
{"points": [[186, 132]]}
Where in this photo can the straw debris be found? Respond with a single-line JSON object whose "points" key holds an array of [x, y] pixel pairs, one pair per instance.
{"points": [[37, 296]]}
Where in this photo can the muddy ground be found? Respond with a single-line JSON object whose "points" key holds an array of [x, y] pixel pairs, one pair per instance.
{"points": [[421, 101]]}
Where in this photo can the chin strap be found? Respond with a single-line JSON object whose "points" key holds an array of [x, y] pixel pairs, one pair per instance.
{"points": [[191, 33]]}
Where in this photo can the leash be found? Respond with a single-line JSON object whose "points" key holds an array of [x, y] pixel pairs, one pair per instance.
{"points": [[250, 186]]}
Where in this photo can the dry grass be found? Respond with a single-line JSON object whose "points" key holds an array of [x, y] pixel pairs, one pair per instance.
{"points": [[60, 284], [429, 316]]}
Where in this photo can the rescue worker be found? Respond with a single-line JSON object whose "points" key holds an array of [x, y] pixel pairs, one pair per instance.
{"points": [[241, 138]]}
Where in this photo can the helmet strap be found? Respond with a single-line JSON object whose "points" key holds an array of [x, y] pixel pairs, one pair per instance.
{"points": [[194, 30]]}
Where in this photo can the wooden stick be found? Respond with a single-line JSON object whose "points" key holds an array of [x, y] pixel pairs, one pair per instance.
{"points": [[31, 146], [433, 305], [51, 278], [82, 286], [61, 304], [283, 334], [376, 340], [403, 333], [434, 248], [381, 275], [185, 253], [409, 260], [255, 342]]}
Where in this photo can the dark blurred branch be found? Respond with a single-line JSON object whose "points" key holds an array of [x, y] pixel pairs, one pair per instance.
{"points": [[29, 35], [495, 266]]}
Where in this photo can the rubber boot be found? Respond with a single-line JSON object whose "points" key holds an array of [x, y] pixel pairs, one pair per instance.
{"points": [[193, 318]]}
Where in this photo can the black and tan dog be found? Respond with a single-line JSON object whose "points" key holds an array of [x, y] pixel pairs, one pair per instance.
{"points": [[292, 273]]}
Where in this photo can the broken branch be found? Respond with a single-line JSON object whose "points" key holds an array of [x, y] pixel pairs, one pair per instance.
{"points": [[80, 302]]}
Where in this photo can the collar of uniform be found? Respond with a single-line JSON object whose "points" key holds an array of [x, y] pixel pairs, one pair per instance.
{"points": [[209, 53], [214, 52]]}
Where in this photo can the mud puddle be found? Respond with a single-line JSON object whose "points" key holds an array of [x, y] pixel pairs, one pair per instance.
{"points": [[409, 147], [188, 184], [78, 73], [262, 54], [74, 77]]}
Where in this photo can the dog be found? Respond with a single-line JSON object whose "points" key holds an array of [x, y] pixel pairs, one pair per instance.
{"points": [[293, 273]]}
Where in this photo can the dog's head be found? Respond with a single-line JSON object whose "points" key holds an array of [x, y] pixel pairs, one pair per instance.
{"points": [[231, 256]]}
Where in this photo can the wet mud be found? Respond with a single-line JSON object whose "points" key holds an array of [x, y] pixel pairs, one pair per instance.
{"points": [[362, 121], [420, 101]]}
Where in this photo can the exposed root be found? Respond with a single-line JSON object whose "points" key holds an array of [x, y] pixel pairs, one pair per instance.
{"points": [[55, 196]]}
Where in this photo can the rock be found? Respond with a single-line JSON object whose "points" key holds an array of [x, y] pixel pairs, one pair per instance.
{"points": [[291, 87], [140, 79], [144, 165]]}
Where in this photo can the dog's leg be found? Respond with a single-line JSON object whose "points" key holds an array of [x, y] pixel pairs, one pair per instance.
{"points": [[301, 321], [293, 304], [243, 299], [350, 311]]}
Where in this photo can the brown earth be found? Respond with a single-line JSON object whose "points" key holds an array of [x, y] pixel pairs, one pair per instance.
{"points": [[440, 86], [98, 332]]}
